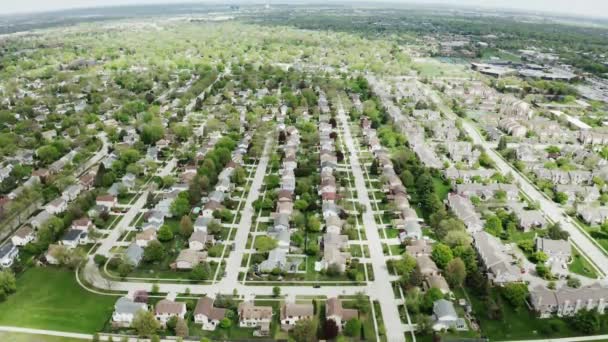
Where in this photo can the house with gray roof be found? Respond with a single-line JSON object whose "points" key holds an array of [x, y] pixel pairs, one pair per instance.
{"points": [[558, 254], [593, 214], [463, 209], [125, 310], [445, 317], [498, 259], [134, 254], [277, 258], [568, 301]]}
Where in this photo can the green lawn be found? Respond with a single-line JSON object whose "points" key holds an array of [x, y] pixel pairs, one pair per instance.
{"points": [[441, 188], [50, 298], [580, 266], [515, 324], [22, 337]]}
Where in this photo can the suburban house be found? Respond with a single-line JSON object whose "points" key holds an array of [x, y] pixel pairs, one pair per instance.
{"points": [[529, 219], [291, 313], [445, 316], [437, 281], [124, 311], [40, 219], [23, 236], [8, 254], [497, 259], [208, 315], [418, 248], [485, 192], [57, 206], [106, 201], [165, 309], [72, 238], [593, 215], [558, 254], [463, 209], [567, 301], [251, 316], [52, 254], [211, 207], [201, 223], [134, 254], [71, 192], [427, 266], [143, 239], [188, 259], [277, 258], [83, 224], [340, 315], [199, 240]]}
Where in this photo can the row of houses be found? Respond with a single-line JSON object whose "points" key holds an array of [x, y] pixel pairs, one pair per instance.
{"points": [[335, 245], [410, 232], [281, 228]]}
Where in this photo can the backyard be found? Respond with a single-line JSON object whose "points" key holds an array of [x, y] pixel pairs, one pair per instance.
{"points": [[50, 298]]}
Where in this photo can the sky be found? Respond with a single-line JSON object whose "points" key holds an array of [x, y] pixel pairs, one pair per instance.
{"points": [[595, 8]]}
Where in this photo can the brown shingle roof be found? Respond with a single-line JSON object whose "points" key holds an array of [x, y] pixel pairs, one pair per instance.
{"points": [[166, 306], [205, 307]]}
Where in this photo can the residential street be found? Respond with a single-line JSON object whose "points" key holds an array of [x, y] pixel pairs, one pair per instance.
{"points": [[383, 291], [240, 240]]}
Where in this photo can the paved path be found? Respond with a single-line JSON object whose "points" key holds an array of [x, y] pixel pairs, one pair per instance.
{"points": [[381, 285]]}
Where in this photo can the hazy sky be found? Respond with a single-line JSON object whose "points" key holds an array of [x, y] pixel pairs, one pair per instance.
{"points": [[597, 8]]}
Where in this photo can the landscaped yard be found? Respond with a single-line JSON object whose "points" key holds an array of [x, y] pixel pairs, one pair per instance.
{"points": [[580, 266], [50, 298]]}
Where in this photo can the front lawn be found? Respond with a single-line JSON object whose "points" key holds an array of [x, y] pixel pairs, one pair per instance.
{"points": [[50, 298], [581, 266]]}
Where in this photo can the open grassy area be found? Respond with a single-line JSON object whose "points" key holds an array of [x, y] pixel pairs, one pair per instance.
{"points": [[50, 298], [441, 188], [581, 266], [21, 337]]}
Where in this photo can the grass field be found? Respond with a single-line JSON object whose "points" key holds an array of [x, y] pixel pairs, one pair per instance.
{"points": [[49, 298], [581, 266], [19, 337]]}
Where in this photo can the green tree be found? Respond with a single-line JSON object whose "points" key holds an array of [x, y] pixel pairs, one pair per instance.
{"points": [[304, 331], [145, 323], [185, 226], [494, 225], [8, 284], [201, 271], [165, 234], [276, 291], [352, 328], [573, 282], [441, 255], [181, 328], [180, 206], [154, 251], [264, 244], [225, 323], [313, 224], [48, 154], [151, 133], [515, 294], [455, 272], [586, 321], [561, 197]]}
